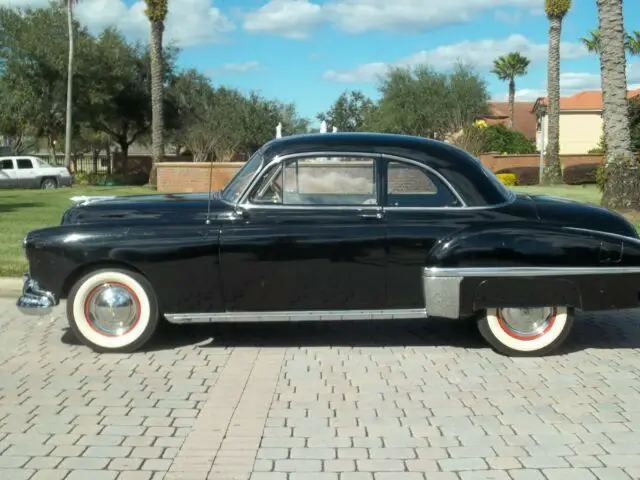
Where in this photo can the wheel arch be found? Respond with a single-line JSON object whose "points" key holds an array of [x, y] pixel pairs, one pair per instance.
{"points": [[84, 269]]}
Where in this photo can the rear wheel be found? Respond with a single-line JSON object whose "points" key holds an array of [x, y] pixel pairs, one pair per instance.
{"points": [[49, 183], [522, 332], [113, 310]]}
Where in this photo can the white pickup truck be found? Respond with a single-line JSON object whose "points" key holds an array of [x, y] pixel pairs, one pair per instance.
{"points": [[31, 172]]}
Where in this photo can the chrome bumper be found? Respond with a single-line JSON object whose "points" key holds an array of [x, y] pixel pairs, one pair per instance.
{"points": [[34, 300]]}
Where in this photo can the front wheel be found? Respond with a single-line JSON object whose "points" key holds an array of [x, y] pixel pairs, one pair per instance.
{"points": [[526, 332], [113, 310]]}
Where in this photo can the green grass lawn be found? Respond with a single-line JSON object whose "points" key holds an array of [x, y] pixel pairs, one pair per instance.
{"points": [[24, 210]]}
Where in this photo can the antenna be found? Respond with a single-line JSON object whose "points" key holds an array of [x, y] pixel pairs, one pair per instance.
{"points": [[208, 220]]}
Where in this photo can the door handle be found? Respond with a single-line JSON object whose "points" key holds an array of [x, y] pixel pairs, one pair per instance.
{"points": [[374, 216]]}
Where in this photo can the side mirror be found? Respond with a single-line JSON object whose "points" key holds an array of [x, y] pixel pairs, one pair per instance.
{"points": [[240, 212]]}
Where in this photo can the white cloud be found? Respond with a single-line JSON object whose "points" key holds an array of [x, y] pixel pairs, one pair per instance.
{"points": [[236, 68], [295, 18], [480, 53], [289, 18], [190, 22], [508, 17]]}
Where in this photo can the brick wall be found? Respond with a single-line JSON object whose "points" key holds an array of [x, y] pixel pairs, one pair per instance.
{"points": [[500, 162], [181, 177]]}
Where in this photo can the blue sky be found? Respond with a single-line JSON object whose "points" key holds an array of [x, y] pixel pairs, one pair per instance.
{"points": [[309, 51]]}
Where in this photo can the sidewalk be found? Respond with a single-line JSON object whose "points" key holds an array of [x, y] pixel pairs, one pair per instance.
{"points": [[10, 287]]}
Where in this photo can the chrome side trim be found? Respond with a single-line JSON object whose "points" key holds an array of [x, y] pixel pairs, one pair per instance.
{"points": [[34, 300], [296, 316], [431, 272]]}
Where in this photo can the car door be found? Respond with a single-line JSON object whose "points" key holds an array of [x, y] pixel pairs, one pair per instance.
{"points": [[7, 173], [25, 173], [420, 208], [311, 238]]}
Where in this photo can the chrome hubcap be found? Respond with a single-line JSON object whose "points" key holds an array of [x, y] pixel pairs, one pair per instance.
{"points": [[112, 310], [527, 322]]}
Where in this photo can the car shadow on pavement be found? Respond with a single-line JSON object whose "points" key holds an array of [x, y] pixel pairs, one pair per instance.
{"points": [[606, 331]]}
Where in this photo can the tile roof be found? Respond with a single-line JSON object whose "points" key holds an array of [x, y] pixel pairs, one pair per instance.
{"points": [[586, 100], [524, 118]]}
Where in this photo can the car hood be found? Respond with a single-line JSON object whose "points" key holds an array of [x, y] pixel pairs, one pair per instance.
{"points": [[152, 207], [576, 214]]}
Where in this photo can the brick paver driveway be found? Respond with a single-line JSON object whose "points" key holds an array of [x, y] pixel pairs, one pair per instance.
{"points": [[350, 401]]}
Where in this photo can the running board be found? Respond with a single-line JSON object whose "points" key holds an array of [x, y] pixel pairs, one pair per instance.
{"points": [[296, 316]]}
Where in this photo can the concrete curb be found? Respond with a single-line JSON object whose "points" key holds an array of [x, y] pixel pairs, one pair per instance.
{"points": [[10, 287]]}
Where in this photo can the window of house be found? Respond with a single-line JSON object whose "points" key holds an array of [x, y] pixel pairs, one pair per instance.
{"points": [[409, 185]]}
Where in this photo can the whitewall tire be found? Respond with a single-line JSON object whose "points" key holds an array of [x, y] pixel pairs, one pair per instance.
{"points": [[113, 310], [521, 332]]}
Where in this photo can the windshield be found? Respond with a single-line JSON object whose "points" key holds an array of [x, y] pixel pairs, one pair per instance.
{"points": [[239, 182]]}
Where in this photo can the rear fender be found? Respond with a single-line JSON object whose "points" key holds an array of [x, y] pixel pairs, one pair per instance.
{"points": [[529, 266]]}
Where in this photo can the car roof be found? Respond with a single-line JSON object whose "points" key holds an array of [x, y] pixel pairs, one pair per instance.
{"points": [[477, 185]]}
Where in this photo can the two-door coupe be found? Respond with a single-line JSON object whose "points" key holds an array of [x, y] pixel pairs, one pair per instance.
{"points": [[342, 226]]}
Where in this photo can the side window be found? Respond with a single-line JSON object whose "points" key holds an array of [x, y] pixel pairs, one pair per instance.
{"points": [[409, 185], [24, 163], [6, 164], [324, 181]]}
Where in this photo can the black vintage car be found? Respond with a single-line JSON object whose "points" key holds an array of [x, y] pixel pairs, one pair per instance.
{"points": [[343, 226]]}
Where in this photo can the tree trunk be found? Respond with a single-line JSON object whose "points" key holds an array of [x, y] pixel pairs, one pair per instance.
{"points": [[621, 168], [157, 117], [512, 99], [68, 126], [124, 150], [552, 173], [109, 158]]}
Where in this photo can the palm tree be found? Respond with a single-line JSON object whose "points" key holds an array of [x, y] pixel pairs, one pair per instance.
{"points": [[618, 191], [507, 68], [156, 12], [633, 43], [69, 118], [592, 42], [556, 11]]}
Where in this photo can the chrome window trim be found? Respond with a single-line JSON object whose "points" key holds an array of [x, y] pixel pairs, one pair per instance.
{"points": [[395, 158], [244, 203]]}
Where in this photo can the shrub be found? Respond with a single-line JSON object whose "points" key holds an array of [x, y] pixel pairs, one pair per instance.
{"points": [[524, 175], [508, 179], [499, 138], [103, 179], [583, 174]]}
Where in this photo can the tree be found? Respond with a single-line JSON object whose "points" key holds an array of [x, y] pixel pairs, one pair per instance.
{"points": [[349, 112], [69, 113], [34, 67], [633, 43], [120, 105], [420, 101], [156, 11], [593, 42], [620, 164], [556, 11], [507, 68]]}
